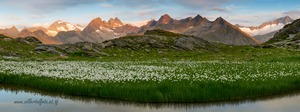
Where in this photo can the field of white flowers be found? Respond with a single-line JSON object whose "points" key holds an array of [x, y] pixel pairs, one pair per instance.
{"points": [[206, 71]]}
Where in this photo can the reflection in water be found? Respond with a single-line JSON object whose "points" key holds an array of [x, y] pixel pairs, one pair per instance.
{"points": [[9, 94]]}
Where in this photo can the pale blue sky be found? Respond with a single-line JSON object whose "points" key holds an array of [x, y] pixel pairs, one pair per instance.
{"points": [[44, 12]]}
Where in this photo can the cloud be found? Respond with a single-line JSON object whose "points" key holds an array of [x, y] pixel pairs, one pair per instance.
{"points": [[40, 24], [13, 17], [46, 5], [207, 4], [151, 12], [37, 16], [219, 9], [144, 4], [139, 23]]}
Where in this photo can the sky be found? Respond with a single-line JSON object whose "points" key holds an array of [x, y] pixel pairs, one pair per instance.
{"points": [[29, 13]]}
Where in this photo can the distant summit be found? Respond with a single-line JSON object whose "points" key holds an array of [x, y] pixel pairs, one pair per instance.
{"points": [[59, 26], [97, 31], [116, 22], [165, 19], [267, 29], [287, 37], [219, 31], [39, 34], [11, 32], [289, 32]]}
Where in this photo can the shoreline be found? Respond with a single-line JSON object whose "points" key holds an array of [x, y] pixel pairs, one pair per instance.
{"points": [[156, 95]]}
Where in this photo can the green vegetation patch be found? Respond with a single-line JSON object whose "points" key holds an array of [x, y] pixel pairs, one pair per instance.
{"points": [[156, 81]]}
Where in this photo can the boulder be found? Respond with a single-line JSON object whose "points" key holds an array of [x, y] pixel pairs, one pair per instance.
{"points": [[87, 47], [107, 44], [29, 40], [7, 39], [41, 48], [48, 48], [185, 43]]}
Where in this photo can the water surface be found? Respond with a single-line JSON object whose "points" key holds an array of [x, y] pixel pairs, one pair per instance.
{"points": [[20, 99]]}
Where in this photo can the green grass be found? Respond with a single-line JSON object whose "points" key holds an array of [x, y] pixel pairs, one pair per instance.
{"points": [[166, 91], [267, 80], [14, 47], [169, 90], [225, 53], [163, 33]]}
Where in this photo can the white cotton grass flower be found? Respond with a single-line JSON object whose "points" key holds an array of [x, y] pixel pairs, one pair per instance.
{"points": [[206, 71]]}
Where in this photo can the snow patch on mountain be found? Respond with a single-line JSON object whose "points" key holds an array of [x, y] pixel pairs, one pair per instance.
{"points": [[98, 31], [59, 22], [264, 30], [139, 23], [51, 33], [61, 28], [105, 29]]}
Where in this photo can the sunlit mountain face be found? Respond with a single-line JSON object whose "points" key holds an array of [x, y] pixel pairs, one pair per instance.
{"points": [[67, 21]]}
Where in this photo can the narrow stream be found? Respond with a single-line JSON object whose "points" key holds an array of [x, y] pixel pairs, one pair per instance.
{"points": [[20, 99]]}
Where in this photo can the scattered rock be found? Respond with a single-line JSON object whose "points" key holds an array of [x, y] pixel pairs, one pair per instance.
{"points": [[160, 52], [29, 40], [103, 54], [108, 44], [268, 46], [54, 51], [185, 43], [161, 39], [11, 54], [87, 47], [41, 48], [147, 50], [7, 39], [48, 48]]}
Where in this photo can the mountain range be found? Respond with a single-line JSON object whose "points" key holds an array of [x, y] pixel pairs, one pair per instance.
{"points": [[266, 30], [218, 31], [12, 32], [289, 35], [98, 30]]}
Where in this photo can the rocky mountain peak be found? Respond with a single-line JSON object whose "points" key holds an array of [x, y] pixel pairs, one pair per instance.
{"points": [[165, 19], [60, 25], [117, 19], [116, 22], [198, 17], [219, 21], [200, 20], [186, 20], [58, 22], [93, 25], [11, 32], [14, 28], [95, 22], [290, 32], [284, 20]]}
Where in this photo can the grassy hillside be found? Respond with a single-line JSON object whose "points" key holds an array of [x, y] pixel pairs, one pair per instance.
{"points": [[145, 73], [12, 47], [287, 33]]}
